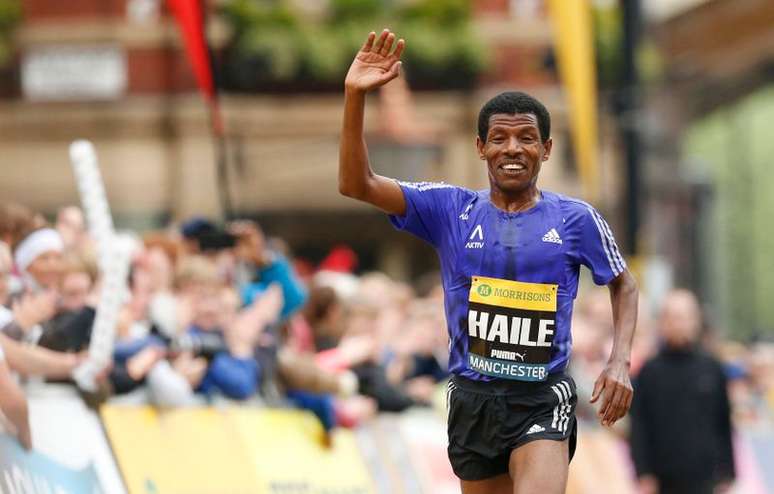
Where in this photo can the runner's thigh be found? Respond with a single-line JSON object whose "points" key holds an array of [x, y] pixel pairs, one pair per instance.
{"points": [[540, 467], [496, 485]]}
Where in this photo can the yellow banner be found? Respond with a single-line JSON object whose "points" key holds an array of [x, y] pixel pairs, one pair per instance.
{"points": [[513, 294], [572, 27], [231, 450]]}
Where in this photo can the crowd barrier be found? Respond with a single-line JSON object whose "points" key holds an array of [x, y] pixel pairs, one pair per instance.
{"points": [[231, 449], [71, 453], [32, 473]]}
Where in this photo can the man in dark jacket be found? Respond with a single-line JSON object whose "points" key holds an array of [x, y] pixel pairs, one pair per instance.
{"points": [[681, 425]]}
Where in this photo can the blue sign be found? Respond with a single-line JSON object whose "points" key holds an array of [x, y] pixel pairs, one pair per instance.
{"points": [[28, 472]]}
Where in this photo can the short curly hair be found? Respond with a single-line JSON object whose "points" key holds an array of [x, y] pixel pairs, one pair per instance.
{"points": [[511, 103]]}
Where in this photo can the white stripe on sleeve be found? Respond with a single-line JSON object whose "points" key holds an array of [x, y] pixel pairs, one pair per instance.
{"points": [[603, 239], [611, 241]]}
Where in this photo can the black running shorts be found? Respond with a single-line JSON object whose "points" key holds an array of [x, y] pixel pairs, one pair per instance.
{"points": [[488, 420]]}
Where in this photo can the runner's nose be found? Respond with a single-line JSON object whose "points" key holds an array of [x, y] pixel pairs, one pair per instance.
{"points": [[513, 147]]}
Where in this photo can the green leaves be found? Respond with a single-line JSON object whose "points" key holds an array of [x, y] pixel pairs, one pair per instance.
{"points": [[10, 14], [444, 13], [275, 44], [445, 57], [346, 11]]}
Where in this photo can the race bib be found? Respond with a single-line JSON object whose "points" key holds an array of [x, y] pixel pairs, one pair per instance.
{"points": [[511, 327]]}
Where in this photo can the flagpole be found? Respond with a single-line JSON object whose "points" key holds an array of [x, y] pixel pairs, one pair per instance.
{"points": [[221, 160], [192, 20], [218, 129]]}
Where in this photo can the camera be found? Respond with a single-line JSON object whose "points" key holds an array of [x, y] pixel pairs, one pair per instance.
{"points": [[205, 345], [207, 236], [216, 240]]}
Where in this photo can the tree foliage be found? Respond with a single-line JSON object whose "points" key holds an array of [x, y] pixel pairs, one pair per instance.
{"points": [[10, 14], [275, 46]]}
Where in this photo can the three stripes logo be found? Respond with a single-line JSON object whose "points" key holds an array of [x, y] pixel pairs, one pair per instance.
{"points": [[535, 429], [562, 410], [552, 236]]}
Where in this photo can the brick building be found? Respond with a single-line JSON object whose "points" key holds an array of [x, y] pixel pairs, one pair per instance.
{"points": [[113, 71]]}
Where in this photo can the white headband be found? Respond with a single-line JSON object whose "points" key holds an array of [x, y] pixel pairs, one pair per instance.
{"points": [[36, 244]]}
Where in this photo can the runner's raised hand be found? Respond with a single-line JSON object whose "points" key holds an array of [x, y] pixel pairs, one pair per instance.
{"points": [[376, 63]]}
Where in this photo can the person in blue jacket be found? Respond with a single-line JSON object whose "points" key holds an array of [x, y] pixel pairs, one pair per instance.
{"points": [[233, 370], [266, 267]]}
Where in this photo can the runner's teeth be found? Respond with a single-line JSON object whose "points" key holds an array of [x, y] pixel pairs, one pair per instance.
{"points": [[513, 167]]}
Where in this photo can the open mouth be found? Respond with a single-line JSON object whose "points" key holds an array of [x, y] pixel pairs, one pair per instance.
{"points": [[512, 168]]}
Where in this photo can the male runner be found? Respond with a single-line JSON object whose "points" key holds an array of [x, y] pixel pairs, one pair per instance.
{"points": [[510, 258]]}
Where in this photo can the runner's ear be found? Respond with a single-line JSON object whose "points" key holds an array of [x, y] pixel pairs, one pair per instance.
{"points": [[547, 146], [480, 147]]}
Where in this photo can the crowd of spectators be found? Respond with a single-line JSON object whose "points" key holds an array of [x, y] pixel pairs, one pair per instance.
{"points": [[214, 313], [226, 313], [748, 367]]}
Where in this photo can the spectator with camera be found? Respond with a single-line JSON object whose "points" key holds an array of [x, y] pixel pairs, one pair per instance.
{"points": [[223, 333]]}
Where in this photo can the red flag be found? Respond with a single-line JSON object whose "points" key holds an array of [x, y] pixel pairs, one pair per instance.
{"points": [[190, 17]]}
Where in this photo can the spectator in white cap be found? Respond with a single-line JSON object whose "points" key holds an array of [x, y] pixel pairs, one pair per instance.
{"points": [[29, 310], [38, 257]]}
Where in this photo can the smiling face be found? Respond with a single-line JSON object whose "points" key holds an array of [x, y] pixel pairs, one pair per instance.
{"points": [[514, 152], [47, 269]]}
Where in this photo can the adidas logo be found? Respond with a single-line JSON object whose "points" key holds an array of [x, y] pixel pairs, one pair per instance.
{"points": [[466, 214], [552, 236], [535, 428]]}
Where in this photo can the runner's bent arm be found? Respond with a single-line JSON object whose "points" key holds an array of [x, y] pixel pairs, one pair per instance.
{"points": [[614, 380], [623, 296], [375, 65]]}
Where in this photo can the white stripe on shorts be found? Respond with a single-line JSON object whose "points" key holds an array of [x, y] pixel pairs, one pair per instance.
{"points": [[556, 423], [562, 410]]}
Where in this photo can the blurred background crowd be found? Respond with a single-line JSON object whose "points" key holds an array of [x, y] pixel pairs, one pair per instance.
{"points": [[253, 281], [224, 313], [221, 311]]}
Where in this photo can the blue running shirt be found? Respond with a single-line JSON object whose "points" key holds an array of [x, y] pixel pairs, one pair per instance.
{"points": [[509, 279]]}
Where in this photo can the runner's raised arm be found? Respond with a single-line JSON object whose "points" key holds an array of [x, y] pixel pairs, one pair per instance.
{"points": [[375, 65]]}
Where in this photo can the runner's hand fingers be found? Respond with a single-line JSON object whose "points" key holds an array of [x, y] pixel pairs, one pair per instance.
{"points": [[380, 41], [607, 400], [627, 403], [599, 385], [621, 404], [388, 45], [611, 413], [607, 397], [399, 48], [615, 403], [369, 44], [394, 71]]}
